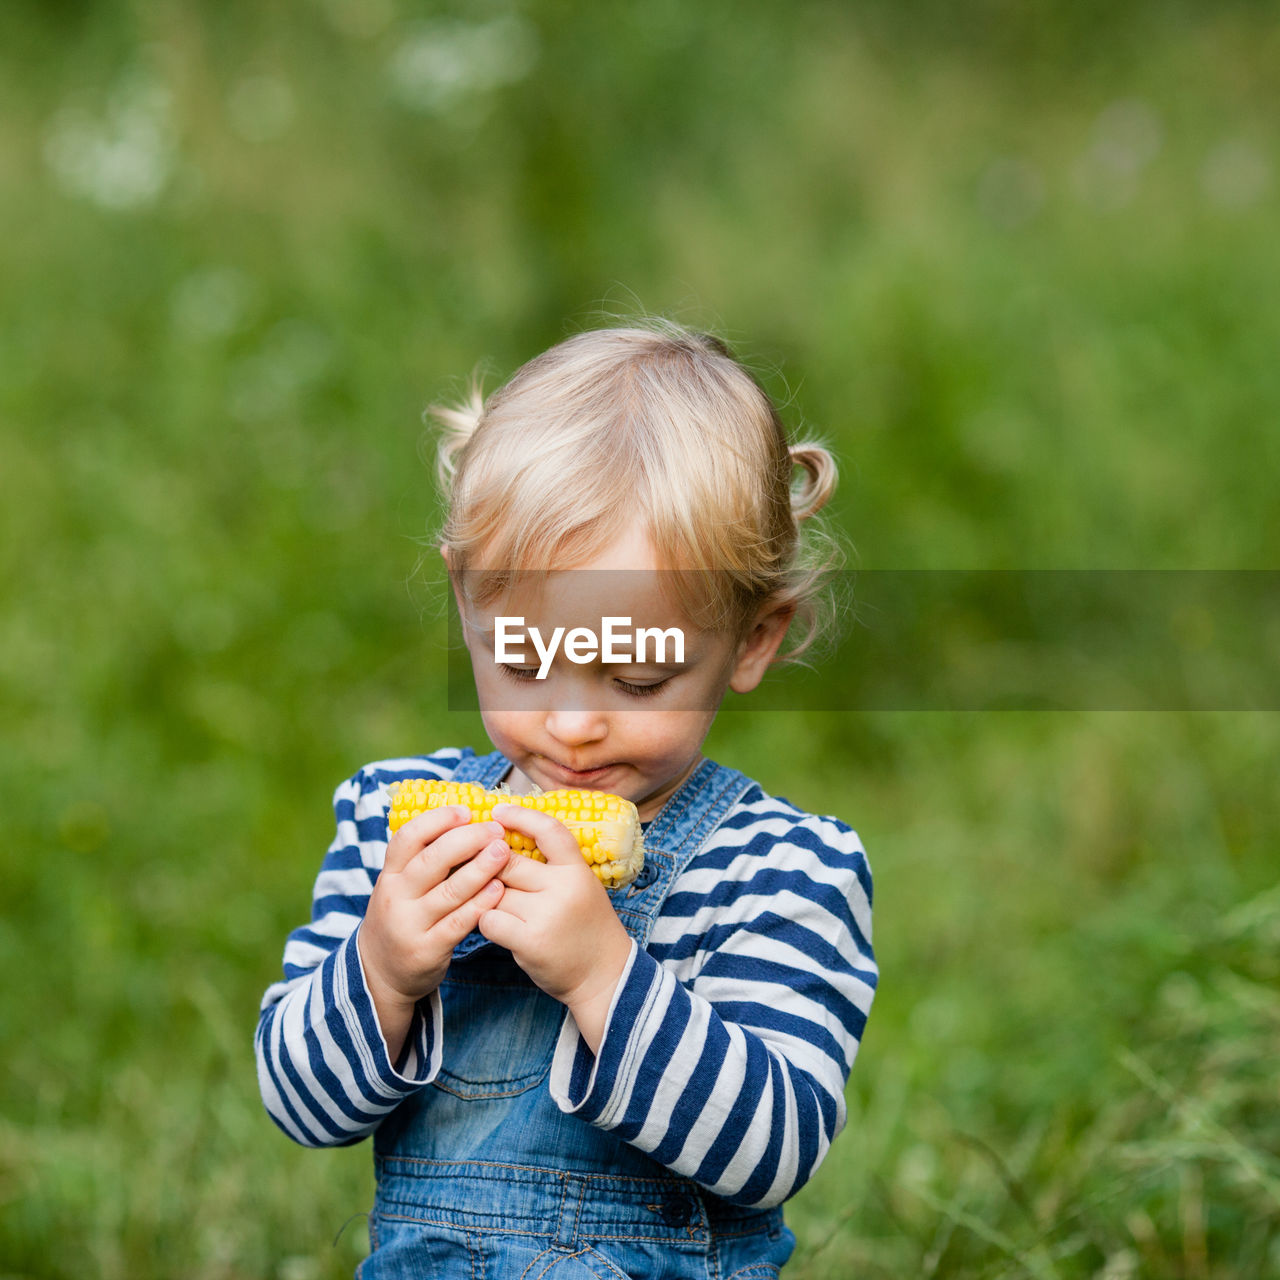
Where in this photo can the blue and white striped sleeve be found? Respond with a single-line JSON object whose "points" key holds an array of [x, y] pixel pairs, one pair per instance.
{"points": [[730, 1039], [323, 1068]]}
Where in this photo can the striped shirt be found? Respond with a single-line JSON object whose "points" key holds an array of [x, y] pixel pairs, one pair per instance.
{"points": [[730, 1038]]}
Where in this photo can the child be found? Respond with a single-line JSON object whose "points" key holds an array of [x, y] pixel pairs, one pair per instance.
{"points": [[567, 1081]]}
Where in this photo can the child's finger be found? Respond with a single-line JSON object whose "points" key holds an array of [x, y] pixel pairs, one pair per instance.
{"points": [[518, 903], [552, 837], [444, 859], [472, 875], [523, 873], [503, 928], [418, 832], [452, 927]]}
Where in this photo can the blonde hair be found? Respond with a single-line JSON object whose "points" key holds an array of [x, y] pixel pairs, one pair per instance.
{"points": [[652, 420]]}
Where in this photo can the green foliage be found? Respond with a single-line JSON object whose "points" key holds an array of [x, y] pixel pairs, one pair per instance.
{"points": [[1017, 265]]}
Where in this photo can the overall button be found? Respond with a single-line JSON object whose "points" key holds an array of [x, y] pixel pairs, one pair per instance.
{"points": [[648, 874], [676, 1211]]}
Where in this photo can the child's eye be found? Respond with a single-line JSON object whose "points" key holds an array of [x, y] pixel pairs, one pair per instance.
{"points": [[520, 674], [641, 690]]}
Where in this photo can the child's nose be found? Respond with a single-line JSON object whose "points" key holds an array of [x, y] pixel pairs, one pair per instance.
{"points": [[575, 727]]}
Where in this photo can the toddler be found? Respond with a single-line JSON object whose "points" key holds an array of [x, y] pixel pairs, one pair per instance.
{"points": [[563, 1080]]}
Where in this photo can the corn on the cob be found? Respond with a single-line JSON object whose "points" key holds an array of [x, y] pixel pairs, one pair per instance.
{"points": [[606, 827]]}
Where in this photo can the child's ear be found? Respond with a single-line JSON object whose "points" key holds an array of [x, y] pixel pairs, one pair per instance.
{"points": [[760, 646]]}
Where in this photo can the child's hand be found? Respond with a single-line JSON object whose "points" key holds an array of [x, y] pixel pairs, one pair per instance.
{"points": [[418, 911], [556, 919]]}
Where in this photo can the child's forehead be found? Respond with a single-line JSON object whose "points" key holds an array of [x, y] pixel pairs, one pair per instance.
{"points": [[629, 550], [628, 546], [622, 574], [580, 596]]}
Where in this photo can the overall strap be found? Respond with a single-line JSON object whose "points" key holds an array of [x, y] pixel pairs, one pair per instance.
{"points": [[486, 770], [681, 828]]}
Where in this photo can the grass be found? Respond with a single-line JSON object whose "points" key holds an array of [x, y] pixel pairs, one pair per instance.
{"points": [[1018, 269]]}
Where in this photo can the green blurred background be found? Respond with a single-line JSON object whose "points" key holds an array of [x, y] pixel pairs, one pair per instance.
{"points": [[1017, 263]]}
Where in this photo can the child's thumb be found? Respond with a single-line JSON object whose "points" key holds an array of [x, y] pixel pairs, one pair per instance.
{"points": [[553, 838]]}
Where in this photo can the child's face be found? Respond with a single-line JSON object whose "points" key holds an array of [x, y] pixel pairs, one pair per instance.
{"points": [[636, 729]]}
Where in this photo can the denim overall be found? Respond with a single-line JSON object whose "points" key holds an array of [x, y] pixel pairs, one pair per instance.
{"points": [[482, 1176]]}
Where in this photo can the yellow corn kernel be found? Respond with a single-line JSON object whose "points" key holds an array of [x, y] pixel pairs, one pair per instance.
{"points": [[606, 827]]}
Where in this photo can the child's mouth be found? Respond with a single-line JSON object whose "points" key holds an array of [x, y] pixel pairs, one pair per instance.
{"points": [[579, 777]]}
